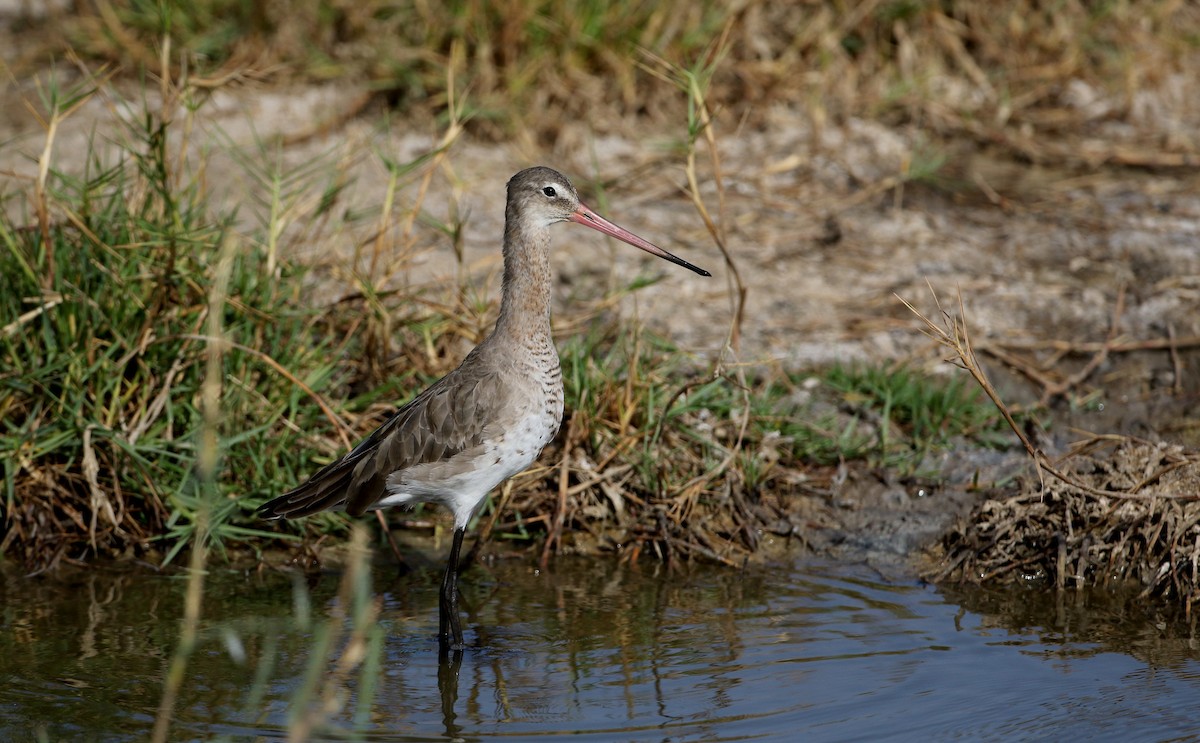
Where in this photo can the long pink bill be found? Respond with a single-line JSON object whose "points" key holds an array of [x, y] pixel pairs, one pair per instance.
{"points": [[589, 218]]}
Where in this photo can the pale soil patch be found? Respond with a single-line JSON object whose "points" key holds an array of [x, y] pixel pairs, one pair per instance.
{"points": [[821, 239]]}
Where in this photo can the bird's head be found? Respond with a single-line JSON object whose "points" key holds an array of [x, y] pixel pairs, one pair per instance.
{"points": [[542, 196]]}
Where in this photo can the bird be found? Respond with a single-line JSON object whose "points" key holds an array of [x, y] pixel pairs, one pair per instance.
{"points": [[489, 418]]}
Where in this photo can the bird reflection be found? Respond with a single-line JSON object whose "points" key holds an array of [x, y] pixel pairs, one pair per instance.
{"points": [[449, 664]]}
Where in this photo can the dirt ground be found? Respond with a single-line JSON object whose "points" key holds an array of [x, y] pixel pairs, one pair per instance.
{"points": [[1052, 261], [823, 238]]}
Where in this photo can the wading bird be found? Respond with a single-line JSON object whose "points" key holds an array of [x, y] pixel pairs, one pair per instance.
{"points": [[488, 419]]}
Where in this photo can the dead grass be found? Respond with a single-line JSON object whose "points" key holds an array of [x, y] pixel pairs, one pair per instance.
{"points": [[1126, 510], [1072, 83], [1112, 509]]}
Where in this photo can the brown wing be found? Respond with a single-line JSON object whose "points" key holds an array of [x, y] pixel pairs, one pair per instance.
{"points": [[444, 420]]}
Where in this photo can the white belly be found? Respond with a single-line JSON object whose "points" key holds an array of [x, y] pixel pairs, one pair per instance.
{"points": [[460, 483]]}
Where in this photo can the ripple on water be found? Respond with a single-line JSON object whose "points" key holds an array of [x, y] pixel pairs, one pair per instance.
{"points": [[594, 649]]}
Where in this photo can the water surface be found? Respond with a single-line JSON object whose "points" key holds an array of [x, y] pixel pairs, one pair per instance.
{"points": [[809, 650]]}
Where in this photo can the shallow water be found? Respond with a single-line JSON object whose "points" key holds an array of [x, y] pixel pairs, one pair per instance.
{"points": [[812, 651]]}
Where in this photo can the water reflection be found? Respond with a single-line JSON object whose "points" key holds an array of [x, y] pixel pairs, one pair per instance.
{"points": [[449, 666], [617, 651], [1082, 624]]}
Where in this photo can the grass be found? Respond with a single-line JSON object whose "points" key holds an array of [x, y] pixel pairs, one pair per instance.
{"points": [[918, 412], [516, 56], [670, 458], [988, 72], [103, 344]]}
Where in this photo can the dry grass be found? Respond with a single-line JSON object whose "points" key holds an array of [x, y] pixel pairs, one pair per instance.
{"points": [[1112, 509], [1124, 511], [1067, 82]]}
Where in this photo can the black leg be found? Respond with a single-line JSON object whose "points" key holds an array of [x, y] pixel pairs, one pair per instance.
{"points": [[449, 630]]}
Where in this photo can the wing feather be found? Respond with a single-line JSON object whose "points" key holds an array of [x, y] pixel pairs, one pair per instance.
{"points": [[447, 419]]}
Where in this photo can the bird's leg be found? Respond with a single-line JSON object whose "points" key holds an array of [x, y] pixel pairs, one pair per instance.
{"points": [[449, 630]]}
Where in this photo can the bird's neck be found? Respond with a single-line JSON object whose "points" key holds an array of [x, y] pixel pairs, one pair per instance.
{"points": [[525, 295]]}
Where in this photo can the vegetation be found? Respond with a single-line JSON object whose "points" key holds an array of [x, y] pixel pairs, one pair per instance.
{"points": [[103, 354], [1113, 509], [927, 411], [993, 73]]}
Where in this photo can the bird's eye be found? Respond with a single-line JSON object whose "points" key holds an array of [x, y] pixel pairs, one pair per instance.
{"points": [[549, 191]]}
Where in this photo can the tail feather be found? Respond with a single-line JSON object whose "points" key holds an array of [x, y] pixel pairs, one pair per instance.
{"points": [[344, 484], [323, 491]]}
